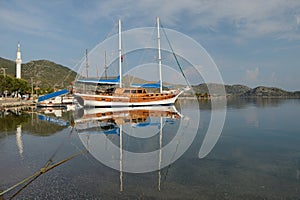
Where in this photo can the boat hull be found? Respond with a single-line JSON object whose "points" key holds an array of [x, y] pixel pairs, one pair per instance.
{"points": [[87, 100]]}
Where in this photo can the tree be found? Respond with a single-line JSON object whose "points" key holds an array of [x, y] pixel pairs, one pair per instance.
{"points": [[11, 84]]}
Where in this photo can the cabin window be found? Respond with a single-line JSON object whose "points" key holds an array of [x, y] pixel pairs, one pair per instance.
{"points": [[126, 91], [133, 91], [140, 91]]}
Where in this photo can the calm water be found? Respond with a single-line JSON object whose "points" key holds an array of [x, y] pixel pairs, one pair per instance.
{"points": [[257, 155]]}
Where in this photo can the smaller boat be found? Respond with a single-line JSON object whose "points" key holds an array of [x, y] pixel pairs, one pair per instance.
{"points": [[56, 99]]}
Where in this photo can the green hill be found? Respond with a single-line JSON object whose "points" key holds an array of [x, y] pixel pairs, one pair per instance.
{"points": [[44, 73], [9, 65]]}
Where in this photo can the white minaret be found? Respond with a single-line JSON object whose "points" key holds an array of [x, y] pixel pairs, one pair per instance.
{"points": [[18, 62]]}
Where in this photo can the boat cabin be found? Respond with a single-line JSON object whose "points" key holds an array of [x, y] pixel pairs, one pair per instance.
{"points": [[130, 91]]}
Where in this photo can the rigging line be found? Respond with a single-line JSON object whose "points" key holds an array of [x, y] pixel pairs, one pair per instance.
{"points": [[177, 61], [40, 172]]}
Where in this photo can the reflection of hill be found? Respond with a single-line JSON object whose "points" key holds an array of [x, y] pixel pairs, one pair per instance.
{"points": [[42, 128], [45, 128], [10, 121]]}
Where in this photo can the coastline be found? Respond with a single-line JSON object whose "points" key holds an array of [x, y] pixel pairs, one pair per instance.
{"points": [[13, 102]]}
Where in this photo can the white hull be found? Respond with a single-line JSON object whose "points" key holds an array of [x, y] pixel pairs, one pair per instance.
{"points": [[95, 103]]}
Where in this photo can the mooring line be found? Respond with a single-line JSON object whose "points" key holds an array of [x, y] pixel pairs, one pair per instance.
{"points": [[40, 172]]}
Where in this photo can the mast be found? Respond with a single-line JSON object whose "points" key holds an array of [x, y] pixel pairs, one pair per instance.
{"points": [[120, 53], [159, 54], [105, 65], [86, 64]]}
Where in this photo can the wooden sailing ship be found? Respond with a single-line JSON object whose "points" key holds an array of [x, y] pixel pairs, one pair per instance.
{"points": [[133, 96]]}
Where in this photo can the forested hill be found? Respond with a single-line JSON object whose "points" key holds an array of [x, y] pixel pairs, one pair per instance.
{"points": [[44, 73]]}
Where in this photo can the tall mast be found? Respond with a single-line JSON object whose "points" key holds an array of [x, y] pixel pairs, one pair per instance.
{"points": [[159, 54], [86, 64], [105, 65], [120, 53]]}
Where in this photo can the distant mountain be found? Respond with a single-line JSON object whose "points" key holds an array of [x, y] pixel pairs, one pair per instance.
{"points": [[47, 74], [262, 91], [44, 73], [245, 91], [215, 88]]}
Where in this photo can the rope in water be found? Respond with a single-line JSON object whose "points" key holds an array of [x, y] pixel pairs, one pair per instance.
{"points": [[40, 172]]}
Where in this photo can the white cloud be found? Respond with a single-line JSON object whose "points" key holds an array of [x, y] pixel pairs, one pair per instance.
{"points": [[254, 18], [244, 18], [252, 75], [297, 17]]}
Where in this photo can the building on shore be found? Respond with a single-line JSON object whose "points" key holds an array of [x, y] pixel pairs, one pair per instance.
{"points": [[18, 62]]}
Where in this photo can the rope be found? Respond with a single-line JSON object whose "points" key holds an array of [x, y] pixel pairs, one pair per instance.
{"points": [[177, 61], [40, 172]]}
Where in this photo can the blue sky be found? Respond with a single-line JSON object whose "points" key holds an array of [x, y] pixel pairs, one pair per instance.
{"points": [[252, 42]]}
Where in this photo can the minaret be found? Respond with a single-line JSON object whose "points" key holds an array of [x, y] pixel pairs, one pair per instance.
{"points": [[18, 62]]}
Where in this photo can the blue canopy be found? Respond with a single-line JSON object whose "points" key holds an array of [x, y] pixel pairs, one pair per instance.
{"points": [[100, 81], [147, 85], [52, 95], [150, 85]]}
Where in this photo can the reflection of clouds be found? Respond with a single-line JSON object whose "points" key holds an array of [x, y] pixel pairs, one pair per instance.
{"points": [[251, 118]]}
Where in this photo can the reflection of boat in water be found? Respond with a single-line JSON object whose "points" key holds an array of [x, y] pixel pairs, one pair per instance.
{"points": [[107, 119], [98, 126]]}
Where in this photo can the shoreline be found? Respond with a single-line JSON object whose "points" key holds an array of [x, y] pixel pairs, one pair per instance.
{"points": [[11, 102]]}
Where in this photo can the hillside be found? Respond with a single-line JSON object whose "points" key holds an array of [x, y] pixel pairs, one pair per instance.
{"points": [[45, 74], [262, 91], [9, 65], [246, 92], [230, 89]]}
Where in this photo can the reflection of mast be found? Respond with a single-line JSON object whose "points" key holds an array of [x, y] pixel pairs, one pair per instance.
{"points": [[19, 140], [121, 159], [160, 153]]}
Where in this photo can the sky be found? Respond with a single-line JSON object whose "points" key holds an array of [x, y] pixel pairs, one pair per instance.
{"points": [[253, 42]]}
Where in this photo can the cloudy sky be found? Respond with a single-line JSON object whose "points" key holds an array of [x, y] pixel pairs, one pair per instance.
{"points": [[252, 42]]}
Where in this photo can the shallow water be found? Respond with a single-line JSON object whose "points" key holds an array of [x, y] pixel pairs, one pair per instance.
{"points": [[257, 155]]}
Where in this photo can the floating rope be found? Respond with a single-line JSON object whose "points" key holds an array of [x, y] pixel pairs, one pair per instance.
{"points": [[40, 172]]}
